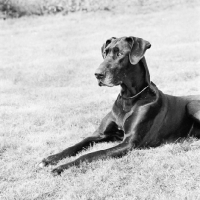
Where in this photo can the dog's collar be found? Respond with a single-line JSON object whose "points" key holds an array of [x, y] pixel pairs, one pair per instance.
{"points": [[133, 97]]}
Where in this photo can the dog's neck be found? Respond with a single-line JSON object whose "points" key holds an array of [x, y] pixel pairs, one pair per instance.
{"points": [[134, 81]]}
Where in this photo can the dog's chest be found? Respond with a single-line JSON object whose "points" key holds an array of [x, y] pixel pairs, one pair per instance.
{"points": [[124, 109], [121, 111], [119, 117]]}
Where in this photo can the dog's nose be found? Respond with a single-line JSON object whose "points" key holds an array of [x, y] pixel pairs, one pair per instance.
{"points": [[99, 75]]}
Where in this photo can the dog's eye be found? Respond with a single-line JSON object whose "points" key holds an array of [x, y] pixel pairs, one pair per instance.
{"points": [[119, 54]]}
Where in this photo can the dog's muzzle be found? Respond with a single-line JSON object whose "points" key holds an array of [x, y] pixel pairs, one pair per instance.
{"points": [[100, 75]]}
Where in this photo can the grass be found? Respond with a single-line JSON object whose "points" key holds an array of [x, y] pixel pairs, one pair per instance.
{"points": [[50, 100], [19, 8]]}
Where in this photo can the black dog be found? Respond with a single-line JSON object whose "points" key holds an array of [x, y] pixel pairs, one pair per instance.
{"points": [[142, 116]]}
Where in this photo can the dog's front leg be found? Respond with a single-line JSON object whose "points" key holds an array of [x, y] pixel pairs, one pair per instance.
{"points": [[108, 131], [73, 150], [116, 151]]}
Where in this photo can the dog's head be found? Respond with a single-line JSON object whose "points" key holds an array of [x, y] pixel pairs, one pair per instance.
{"points": [[119, 54]]}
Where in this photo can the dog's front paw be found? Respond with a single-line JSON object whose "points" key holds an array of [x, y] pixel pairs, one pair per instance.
{"points": [[57, 171], [51, 160], [61, 168], [43, 164]]}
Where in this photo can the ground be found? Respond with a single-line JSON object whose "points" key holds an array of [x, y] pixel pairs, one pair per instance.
{"points": [[50, 99]]}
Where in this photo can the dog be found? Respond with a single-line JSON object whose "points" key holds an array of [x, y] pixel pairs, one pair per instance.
{"points": [[142, 115]]}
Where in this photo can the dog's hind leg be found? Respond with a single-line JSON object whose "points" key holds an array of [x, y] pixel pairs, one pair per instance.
{"points": [[193, 110]]}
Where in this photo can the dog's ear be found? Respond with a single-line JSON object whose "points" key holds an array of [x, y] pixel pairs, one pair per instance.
{"points": [[105, 45], [138, 48]]}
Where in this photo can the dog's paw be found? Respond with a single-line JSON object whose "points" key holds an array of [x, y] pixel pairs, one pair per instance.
{"points": [[51, 160], [43, 164], [57, 171]]}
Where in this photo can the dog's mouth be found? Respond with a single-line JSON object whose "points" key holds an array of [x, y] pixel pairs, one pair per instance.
{"points": [[103, 84], [100, 83]]}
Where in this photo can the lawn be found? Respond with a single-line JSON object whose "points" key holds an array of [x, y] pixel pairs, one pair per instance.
{"points": [[50, 99]]}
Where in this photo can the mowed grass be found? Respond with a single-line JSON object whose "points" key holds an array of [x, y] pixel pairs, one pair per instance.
{"points": [[50, 100]]}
